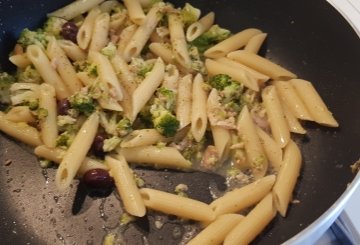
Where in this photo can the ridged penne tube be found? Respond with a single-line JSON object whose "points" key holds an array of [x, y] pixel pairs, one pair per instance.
{"points": [[159, 157], [125, 36], [254, 44], [279, 128], [142, 35], [63, 66], [126, 77], [289, 96], [20, 114], [47, 72], [240, 198], [178, 41], [136, 12], [183, 101], [198, 110], [126, 185], [20, 60], [198, 28], [255, 154], [271, 148], [73, 51], [85, 32], [313, 102], [75, 9], [292, 121], [240, 76], [163, 51], [287, 177], [215, 233], [147, 87], [253, 223], [76, 153], [99, 38], [56, 155], [261, 78], [107, 74], [142, 137], [261, 64], [176, 205], [48, 124], [20, 131], [232, 43], [222, 141]]}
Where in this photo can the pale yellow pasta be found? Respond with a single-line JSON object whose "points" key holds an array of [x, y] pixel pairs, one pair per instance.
{"points": [[253, 223], [136, 12], [255, 155], [287, 177], [215, 233], [142, 34], [126, 105], [199, 27], [63, 66], [117, 21], [261, 64], [47, 72], [85, 79], [240, 198], [125, 36], [313, 102], [279, 127], [171, 78], [20, 114], [232, 43], [292, 121], [183, 101], [222, 141], [99, 38], [75, 9], [20, 131], [57, 154], [289, 96], [20, 60], [73, 51], [48, 124], [126, 185], [178, 41], [176, 205], [213, 67], [85, 32], [126, 77], [109, 5], [142, 137], [159, 157], [162, 50], [76, 153], [254, 43], [198, 110], [147, 87], [271, 148]]}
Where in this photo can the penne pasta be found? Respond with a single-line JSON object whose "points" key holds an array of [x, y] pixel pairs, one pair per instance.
{"points": [[183, 101], [20, 114], [135, 10], [72, 51], [85, 32], [142, 137], [74, 9], [198, 110], [222, 141], [20, 60], [125, 36], [99, 38], [163, 51], [126, 77], [254, 44], [292, 121], [198, 28]]}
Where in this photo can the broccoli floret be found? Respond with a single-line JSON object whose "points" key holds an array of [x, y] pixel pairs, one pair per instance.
{"points": [[232, 91], [29, 75], [109, 50], [220, 81], [190, 14], [144, 68], [166, 97], [53, 26], [82, 102], [111, 144], [165, 122], [65, 139], [42, 113], [6, 81], [85, 66], [38, 37], [213, 36], [124, 126]]}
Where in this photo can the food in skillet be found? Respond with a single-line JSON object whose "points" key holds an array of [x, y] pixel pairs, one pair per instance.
{"points": [[105, 86]]}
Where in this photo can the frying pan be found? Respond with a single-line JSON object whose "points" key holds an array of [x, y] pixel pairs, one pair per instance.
{"points": [[308, 37]]}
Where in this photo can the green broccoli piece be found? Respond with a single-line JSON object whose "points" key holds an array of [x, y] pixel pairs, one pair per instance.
{"points": [[189, 14], [32, 104], [220, 81], [6, 80], [124, 126], [85, 66], [213, 36], [29, 75], [232, 91], [166, 97], [109, 50], [83, 103], [65, 139], [111, 144], [165, 122], [53, 26], [144, 69], [38, 37], [42, 113]]}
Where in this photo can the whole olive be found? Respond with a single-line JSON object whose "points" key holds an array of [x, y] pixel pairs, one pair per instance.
{"points": [[63, 106], [69, 31], [98, 179], [97, 145]]}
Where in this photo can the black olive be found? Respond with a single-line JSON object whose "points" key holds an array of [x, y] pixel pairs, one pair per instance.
{"points": [[63, 106], [98, 179], [69, 31], [97, 145]]}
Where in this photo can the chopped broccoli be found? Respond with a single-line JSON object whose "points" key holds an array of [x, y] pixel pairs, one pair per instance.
{"points": [[166, 97], [109, 50], [124, 126], [190, 14], [38, 37], [213, 36], [165, 122], [65, 120], [42, 113], [111, 144], [53, 26], [85, 66], [6, 81], [220, 81], [114, 124], [32, 104], [141, 67], [82, 102], [65, 139], [232, 92], [29, 75]]}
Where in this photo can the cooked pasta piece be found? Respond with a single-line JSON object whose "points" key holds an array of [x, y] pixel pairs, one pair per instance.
{"points": [[73, 51], [142, 137], [135, 10], [183, 101], [20, 114], [254, 43], [85, 32], [99, 38], [74, 9], [162, 50], [292, 121], [198, 110], [198, 28], [271, 148], [125, 36], [126, 77], [20, 60], [222, 141]]}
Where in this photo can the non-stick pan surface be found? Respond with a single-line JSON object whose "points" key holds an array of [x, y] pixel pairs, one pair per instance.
{"points": [[307, 37]]}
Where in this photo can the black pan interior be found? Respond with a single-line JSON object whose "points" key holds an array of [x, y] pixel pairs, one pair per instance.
{"points": [[308, 37]]}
